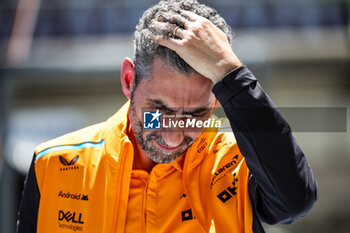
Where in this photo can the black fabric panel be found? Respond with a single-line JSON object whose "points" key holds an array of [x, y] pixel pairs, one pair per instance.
{"points": [[28, 212], [257, 227], [283, 186]]}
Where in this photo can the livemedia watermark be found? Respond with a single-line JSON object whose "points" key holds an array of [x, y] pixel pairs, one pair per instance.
{"points": [[260, 119], [158, 120]]}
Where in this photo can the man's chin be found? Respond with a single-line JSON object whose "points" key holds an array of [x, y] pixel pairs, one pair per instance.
{"points": [[165, 156], [161, 153]]}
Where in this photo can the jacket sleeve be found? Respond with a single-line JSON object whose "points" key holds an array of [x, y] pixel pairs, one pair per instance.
{"points": [[282, 186], [28, 212]]}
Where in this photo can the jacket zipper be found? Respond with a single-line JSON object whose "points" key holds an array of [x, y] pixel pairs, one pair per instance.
{"points": [[144, 207]]}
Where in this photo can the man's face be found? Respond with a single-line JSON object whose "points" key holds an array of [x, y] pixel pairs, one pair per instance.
{"points": [[173, 93]]}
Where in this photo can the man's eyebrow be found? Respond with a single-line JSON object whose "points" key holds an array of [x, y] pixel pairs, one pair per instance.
{"points": [[160, 105], [194, 111], [198, 111]]}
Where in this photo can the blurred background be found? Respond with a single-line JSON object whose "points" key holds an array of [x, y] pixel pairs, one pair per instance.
{"points": [[60, 62]]}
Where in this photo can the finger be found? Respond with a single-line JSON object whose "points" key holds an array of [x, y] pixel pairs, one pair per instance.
{"points": [[179, 20], [167, 28], [173, 19], [161, 28], [178, 32], [190, 15], [161, 25], [168, 42]]}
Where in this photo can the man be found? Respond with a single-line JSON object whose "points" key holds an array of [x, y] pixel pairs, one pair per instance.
{"points": [[121, 176]]}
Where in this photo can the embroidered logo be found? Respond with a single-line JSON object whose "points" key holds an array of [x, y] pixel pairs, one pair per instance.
{"points": [[70, 220], [223, 170], [68, 165], [74, 196], [229, 191], [186, 215]]}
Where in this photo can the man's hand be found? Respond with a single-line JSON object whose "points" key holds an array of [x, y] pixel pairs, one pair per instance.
{"points": [[200, 43]]}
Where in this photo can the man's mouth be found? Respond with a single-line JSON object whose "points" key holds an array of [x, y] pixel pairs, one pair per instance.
{"points": [[167, 148]]}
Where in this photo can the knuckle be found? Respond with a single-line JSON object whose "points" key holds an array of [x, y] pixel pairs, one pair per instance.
{"points": [[204, 23], [195, 29], [182, 43], [190, 36]]}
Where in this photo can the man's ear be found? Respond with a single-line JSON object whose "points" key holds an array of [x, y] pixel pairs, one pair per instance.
{"points": [[127, 77]]}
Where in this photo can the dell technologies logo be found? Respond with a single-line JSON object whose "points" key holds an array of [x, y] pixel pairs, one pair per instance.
{"points": [[70, 217], [70, 220]]}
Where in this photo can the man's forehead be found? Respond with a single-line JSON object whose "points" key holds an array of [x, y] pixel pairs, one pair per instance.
{"points": [[195, 109], [164, 72], [175, 89], [160, 61]]}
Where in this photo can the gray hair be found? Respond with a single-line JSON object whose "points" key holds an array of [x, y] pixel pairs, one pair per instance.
{"points": [[145, 49]]}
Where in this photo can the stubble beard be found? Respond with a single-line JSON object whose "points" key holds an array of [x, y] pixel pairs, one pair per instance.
{"points": [[145, 142]]}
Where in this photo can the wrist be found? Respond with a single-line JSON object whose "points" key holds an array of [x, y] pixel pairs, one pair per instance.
{"points": [[225, 67]]}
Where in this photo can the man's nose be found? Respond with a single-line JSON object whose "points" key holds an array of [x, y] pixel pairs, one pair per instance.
{"points": [[173, 138]]}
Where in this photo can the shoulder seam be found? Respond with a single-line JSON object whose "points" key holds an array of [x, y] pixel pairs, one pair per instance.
{"points": [[70, 147]]}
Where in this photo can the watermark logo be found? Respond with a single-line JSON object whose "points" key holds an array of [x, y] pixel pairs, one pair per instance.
{"points": [[151, 120], [158, 120]]}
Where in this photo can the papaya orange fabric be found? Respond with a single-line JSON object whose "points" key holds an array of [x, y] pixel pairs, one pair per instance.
{"points": [[87, 184]]}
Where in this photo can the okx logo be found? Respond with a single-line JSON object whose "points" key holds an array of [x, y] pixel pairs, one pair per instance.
{"points": [[229, 191], [151, 120]]}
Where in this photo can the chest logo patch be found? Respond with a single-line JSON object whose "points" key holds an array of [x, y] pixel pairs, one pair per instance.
{"points": [[229, 191], [68, 165], [221, 172], [186, 215]]}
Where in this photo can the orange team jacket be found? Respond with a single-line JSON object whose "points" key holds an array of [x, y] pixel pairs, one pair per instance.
{"points": [[84, 182], [87, 184]]}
